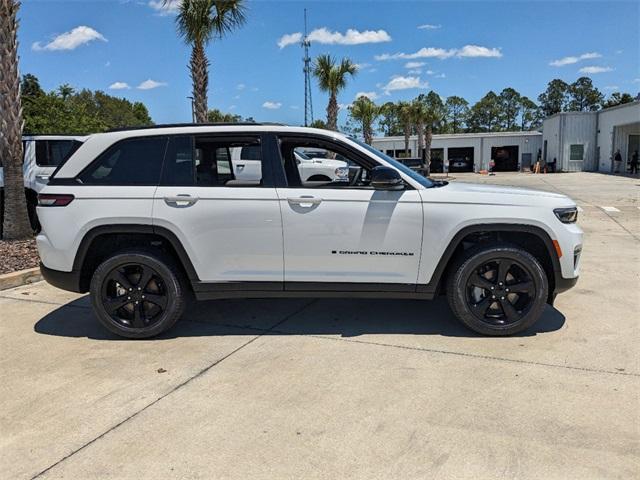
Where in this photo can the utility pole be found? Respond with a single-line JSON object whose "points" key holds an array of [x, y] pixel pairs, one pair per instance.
{"points": [[308, 104]]}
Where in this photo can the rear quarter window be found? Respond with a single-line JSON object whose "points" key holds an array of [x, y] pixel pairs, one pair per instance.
{"points": [[135, 161], [52, 153]]}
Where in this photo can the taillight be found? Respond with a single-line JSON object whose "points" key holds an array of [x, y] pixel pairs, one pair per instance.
{"points": [[54, 199]]}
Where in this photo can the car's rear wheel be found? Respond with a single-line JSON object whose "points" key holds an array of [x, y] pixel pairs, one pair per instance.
{"points": [[498, 290], [137, 294]]}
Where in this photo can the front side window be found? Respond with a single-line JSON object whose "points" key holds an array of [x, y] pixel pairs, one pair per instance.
{"points": [[135, 161], [318, 164], [576, 152]]}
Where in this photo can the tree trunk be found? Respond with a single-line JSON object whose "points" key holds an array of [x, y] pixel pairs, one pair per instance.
{"points": [[420, 128], [199, 66], [427, 149], [367, 132], [407, 134], [16, 219], [332, 112]]}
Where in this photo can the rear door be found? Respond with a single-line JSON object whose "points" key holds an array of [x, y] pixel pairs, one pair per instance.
{"points": [[342, 233], [224, 212]]}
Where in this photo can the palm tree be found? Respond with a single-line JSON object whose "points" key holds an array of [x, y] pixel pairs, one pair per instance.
{"points": [[405, 118], [16, 220], [332, 77], [431, 114], [366, 112], [65, 91], [419, 117], [198, 22]]}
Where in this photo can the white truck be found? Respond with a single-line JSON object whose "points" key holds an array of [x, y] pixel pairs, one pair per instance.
{"points": [[42, 155], [140, 217]]}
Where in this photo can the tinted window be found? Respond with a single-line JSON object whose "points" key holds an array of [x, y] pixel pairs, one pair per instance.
{"points": [[130, 162], [51, 153], [179, 165]]}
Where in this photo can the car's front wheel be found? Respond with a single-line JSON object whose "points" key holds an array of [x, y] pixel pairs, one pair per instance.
{"points": [[137, 294], [498, 290]]}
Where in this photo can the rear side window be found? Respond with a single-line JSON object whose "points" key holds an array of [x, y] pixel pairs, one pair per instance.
{"points": [[213, 161], [51, 153], [137, 161]]}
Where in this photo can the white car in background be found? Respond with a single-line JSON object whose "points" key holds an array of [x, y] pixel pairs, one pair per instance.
{"points": [[247, 166], [42, 155]]}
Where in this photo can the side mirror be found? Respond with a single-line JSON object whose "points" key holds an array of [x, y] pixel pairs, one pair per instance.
{"points": [[386, 178]]}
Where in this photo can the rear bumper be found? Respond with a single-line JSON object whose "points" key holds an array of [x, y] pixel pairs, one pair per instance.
{"points": [[69, 281]]}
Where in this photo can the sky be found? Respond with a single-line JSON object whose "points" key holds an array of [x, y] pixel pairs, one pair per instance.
{"points": [[129, 48]]}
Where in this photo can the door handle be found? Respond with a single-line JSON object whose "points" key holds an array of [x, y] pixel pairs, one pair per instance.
{"points": [[305, 200], [181, 200]]}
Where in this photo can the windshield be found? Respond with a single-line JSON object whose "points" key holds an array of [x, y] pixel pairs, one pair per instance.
{"points": [[425, 182]]}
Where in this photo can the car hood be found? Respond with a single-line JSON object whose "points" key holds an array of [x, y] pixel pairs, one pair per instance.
{"points": [[497, 194]]}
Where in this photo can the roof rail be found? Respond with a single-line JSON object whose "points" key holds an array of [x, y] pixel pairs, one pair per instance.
{"points": [[213, 124]]}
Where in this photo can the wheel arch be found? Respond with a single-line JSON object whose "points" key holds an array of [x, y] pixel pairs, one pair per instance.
{"points": [[102, 240], [531, 238]]}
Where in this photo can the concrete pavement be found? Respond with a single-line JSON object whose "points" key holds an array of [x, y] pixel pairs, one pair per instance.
{"points": [[338, 388]]}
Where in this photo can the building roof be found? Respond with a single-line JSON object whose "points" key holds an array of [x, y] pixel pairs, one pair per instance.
{"points": [[445, 136]]}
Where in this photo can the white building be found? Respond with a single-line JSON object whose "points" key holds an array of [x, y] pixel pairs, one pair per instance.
{"points": [[578, 141], [460, 152], [587, 141]]}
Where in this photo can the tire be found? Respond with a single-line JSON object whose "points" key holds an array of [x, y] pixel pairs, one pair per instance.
{"points": [[130, 309], [497, 290]]}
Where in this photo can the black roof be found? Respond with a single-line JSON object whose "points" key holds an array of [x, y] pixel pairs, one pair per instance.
{"points": [[219, 124]]}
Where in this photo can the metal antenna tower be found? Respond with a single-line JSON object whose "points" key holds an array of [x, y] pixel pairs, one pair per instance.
{"points": [[308, 103]]}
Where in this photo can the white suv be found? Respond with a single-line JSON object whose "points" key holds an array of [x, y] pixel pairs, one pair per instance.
{"points": [[142, 217]]}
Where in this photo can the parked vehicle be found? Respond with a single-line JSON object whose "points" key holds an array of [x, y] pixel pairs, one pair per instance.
{"points": [[460, 164], [142, 217], [42, 155]]}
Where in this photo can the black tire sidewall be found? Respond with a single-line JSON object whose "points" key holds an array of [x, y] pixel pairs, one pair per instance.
{"points": [[457, 288], [172, 283]]}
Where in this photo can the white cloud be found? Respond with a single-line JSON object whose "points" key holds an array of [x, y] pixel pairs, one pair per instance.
{"points": [[404, 83], [71, 40], [119, 86], [612, 87], [290, 39], [165, 8], [414, 64], [107, 63], [561, 62], [150, 84], [241, 86], [362, 66], [636, 80], [467, 51], [344, 106], [478, 51], [369, 95], [440, 75], [429, 26], [232, 107], [327, 37], [414, 71], [594, 69], [271, 105]]}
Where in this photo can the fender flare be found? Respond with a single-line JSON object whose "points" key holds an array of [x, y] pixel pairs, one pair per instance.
{"points": [[162, 232], [446, 257]]}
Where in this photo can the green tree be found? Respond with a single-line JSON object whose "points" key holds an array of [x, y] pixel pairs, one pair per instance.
{"points": [[332, 78], [216, 116], [530, 114], [65, 91], [485, 115], [430, 118], [30, 86], [584, 97], [555, 98], [390, 122], [198, 22], [617, 98], [456, 111], [16, 220], [510, 102], [364, 111], [317, 123]]}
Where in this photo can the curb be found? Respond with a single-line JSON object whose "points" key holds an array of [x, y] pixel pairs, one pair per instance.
{"points": [[19, 278]]}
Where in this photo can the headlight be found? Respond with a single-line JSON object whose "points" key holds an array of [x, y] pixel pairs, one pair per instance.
{"points": [[567, 215]]}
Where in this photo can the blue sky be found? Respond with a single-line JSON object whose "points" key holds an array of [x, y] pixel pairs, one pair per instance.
{"points": [[403, 48]]}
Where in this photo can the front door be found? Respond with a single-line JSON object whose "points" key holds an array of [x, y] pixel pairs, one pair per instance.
{"points": [[224, 209], [342, 231]]}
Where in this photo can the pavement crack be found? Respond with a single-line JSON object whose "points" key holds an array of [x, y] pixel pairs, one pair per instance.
{"points": [[174, 389], [435, 350]]}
